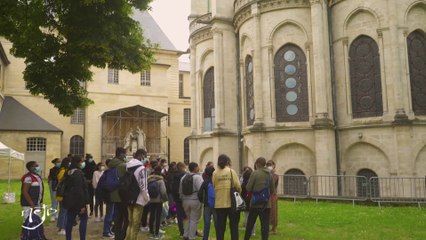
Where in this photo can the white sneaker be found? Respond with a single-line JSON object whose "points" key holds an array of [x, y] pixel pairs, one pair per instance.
{"points": [[53, 218], [161, 231], [145, 229], [62, 232], [98, 219]]}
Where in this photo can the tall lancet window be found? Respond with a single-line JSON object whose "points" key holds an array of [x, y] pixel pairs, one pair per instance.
{"points": [[291, 85], [249, 91], [366, 86], [208, 98], [417, 61]]}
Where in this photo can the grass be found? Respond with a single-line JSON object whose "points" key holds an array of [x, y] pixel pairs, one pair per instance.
{"points": [[297, 220]]}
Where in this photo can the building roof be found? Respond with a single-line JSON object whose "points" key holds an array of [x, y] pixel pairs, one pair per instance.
{"points": [[3, 56], [152, 31], [143, 112], [16, 117]]}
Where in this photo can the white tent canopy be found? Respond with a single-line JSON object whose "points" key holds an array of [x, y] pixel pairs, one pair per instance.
{"points": [[8, 153]]}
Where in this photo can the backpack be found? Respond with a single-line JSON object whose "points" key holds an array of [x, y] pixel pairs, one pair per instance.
{"points": [[109, 180], [128, 189], [153, 189], [188, 184], [33, 228], [210, 195]]}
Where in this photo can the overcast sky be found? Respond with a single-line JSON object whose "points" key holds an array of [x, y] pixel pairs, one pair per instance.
{"points": [[172, 16]]}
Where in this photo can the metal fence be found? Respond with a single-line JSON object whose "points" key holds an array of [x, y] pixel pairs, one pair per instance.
{"points": [[354, 188]]}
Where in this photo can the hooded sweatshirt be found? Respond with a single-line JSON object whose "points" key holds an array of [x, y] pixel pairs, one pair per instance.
{"points": [[258, 181], [162, 197], [121, 170], [141, 176]]}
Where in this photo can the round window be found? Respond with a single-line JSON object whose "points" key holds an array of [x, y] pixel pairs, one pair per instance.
{"points": [[292, 109], [289, 56], [291, 96], [290, 82], [290, 69]]}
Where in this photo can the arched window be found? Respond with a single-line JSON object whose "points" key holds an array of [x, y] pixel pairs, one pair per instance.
{"points": [[186, 150], [366, 86], [77, 145], [291, 87], [367, 187], [208, 97], [416, 42], [249, 91], [295, 183]]}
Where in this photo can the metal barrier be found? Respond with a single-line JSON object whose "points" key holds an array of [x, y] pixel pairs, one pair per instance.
{"points": [[398, 190], [338, 187], [354, 188]]}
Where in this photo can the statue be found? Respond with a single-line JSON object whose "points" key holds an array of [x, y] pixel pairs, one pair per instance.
{"points": [[128, 140], [141, 138]]}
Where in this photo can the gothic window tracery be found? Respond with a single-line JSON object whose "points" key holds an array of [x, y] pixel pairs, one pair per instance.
{"points": [[365, 78], [416, 42], [291, 90], [250, 114]]}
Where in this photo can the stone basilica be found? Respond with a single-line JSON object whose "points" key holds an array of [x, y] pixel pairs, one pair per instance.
{"points": [[320, 87]]}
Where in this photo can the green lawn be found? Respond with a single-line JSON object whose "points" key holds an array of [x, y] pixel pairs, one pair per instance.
{"points": [[297, 220]]}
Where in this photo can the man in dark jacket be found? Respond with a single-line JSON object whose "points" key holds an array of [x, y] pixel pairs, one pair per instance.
{"points": [[180, 213], [120, 209], [88, 174], [260, 179]]}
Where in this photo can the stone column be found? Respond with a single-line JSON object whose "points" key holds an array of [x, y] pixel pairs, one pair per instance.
{"points": [[321, 61], [195, 109], [218, 75], [257, 66]]}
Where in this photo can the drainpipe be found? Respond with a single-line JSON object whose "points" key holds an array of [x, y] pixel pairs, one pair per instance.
{"points": [[334, 97], [239, 134]]}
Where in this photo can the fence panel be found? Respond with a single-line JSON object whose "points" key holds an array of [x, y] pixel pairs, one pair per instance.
{"points": [[398, 189], [339, 187], [293, 186]]}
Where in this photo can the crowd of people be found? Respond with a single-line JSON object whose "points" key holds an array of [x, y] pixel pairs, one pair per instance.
{"points": [[138, 195]]}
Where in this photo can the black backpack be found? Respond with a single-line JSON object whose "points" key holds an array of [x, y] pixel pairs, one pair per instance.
{"points": [[153, 189], [129, 189], [188, 184]]}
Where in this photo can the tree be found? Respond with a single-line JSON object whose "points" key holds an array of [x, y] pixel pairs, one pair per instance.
{"points": [[61, 39]]}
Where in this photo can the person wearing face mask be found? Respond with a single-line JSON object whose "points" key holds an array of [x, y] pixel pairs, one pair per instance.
{"points": [[274, 198], [88, 174], [76, 197], [99, 205], [32, 189], [52, 179]]}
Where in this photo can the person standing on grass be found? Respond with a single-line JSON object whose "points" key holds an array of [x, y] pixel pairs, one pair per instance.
{"points": [[247, 196], [223, 178], [135, 210], [260, 179], [207, 197], [32, 189], [88, 174], [156, 182], [180, 213], [274, 198], [76, 197], [190, 202], [52, 179], [109, 212], [99, 204], [62, 216], [121, 216]]}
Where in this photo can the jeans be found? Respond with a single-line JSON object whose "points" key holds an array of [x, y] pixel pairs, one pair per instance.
{"points": [[180, 213], [246, 214], [144, 219], [155, 217], [91, 191], [193, 213], [71, 214], [263, 213], [99, 206], [135, 214], [121, 220], [208, 213], [234, 218], [108, 218], [53, 199], [170, 200], [61, 222]]}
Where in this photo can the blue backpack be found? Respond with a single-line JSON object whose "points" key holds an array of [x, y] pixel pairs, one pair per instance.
{"points": [[33, 228], [210, 195], [109, 180]]}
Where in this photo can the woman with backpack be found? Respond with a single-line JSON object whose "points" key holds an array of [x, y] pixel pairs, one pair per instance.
{"points": [[76, 197], [62, 216], [99, 204], [247, 196], [158, 195], [207, 197], [223, 180]]}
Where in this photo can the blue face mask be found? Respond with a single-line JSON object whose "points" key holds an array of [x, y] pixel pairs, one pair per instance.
{"points": [[83, 165], [58, 164], [90, 159], [37, 169]]}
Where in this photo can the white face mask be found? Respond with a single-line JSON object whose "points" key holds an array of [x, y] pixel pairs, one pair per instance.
{"points": [[102, 168], [270, 168]]}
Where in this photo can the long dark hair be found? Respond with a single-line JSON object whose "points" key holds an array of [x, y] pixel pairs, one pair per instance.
{"points": [[65, 163], [75, 161]]}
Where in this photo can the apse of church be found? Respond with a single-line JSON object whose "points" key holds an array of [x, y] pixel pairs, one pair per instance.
{"points": [[320, 87]]}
